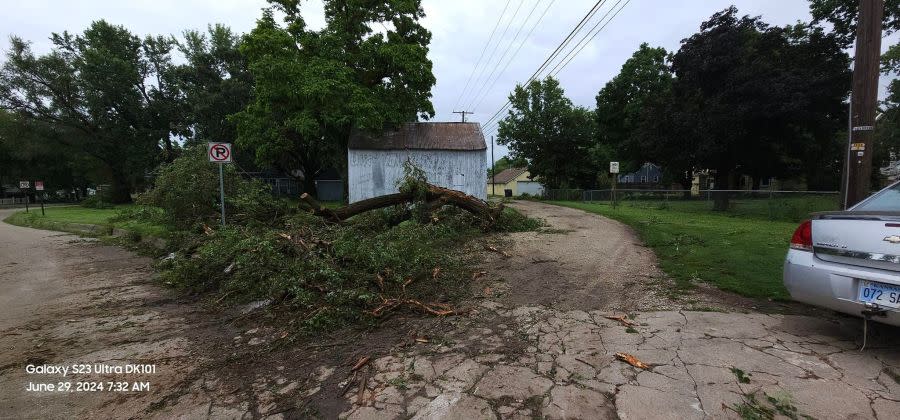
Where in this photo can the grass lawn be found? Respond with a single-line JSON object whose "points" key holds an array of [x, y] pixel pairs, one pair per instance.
{"points": [[739, 254], [785, 209], [57, 218]]}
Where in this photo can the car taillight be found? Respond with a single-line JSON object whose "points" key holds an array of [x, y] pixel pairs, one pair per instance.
{"points": [[802, 238]]}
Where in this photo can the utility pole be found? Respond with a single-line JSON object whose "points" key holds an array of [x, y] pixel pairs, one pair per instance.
{"points": [[493, 169], [863, 101], [463, 113]]}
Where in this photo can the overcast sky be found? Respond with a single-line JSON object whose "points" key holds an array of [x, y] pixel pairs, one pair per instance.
{"points": [[460, 29]]}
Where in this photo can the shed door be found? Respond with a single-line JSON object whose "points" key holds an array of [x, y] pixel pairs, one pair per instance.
{"points": [[459, 180]]}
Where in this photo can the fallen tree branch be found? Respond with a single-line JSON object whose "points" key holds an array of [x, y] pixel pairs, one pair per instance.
{"points": [[623, 319], [434, 308], [435, 198], [631, 360]]}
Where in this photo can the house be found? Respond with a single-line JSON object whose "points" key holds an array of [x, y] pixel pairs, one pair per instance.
{"points": [[648, 174], [452, 154], [514, 182]]}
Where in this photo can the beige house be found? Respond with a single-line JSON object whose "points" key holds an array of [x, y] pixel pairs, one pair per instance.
{"points": [[514, 182]]}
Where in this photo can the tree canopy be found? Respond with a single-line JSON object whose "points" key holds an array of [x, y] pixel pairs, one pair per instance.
{"points": [[621, 103], [760, 98], [554, 136], [92, 90], [843, 14], [313, 87]]}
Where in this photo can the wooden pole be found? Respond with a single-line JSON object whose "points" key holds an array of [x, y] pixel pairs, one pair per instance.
{"points": [[493, 170], [863, 100]]}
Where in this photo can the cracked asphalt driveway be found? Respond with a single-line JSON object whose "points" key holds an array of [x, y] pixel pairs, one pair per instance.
{"points": [[539, 351], [534, 362]]}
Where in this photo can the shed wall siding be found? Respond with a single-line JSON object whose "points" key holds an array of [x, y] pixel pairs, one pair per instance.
{"points": [[530, 188], [374, 173]]}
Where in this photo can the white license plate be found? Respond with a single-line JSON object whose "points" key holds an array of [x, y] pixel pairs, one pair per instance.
{"points": [[882, 294]]}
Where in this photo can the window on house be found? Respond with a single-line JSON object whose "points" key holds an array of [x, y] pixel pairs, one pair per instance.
{"points": [[643, 179], [656, 178]]}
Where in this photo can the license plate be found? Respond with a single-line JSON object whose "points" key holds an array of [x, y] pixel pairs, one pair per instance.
{"points": [[882, 294]]}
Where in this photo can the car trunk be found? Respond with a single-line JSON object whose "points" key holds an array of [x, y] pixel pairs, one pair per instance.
{"points": [[859, 239]]}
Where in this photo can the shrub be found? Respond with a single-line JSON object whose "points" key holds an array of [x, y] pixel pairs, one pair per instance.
{"points": [[187, 190], [96, 202], [511, 220], [331, 275]]}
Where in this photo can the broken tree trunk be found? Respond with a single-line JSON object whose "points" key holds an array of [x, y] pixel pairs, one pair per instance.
{"points": [[435, 198]]}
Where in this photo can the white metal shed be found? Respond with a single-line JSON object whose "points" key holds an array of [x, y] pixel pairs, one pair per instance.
{"points": [[451, 154]]}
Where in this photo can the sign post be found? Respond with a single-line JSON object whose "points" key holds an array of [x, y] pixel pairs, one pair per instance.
{"points": [[39, 186], [220, 153], [614, 171], [24, 185]]}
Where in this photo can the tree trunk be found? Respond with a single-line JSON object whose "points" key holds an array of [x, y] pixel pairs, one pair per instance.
{"points": [[686, 182], [308, 186], [120, 189], [721, 198], [435, 198]]}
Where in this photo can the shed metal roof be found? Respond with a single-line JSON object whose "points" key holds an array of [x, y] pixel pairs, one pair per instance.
{"points": [[506, 175], [423, 135]]}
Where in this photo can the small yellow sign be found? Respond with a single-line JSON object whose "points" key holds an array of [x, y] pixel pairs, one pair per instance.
{"points": [[857, 146]]}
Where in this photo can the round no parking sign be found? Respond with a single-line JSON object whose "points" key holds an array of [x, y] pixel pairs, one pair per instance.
{"points": [[219, 152]]}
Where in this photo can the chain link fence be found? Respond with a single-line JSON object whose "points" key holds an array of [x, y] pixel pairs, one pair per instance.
{"points": [[765, 204]]}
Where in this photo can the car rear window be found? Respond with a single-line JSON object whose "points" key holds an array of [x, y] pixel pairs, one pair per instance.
{"points": [[887, 200]]}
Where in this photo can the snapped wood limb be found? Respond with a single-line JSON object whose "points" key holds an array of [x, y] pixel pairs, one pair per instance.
{"points": [[435, 198]]}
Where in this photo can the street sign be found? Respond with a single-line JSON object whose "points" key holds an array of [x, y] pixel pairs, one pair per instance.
{"points": [[613, 167], [219, 152], [24, 185], [39, 185]]}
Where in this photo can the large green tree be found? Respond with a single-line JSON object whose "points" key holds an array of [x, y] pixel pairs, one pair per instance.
{"points": [[103, 93], [621, 103], [555, 137], [28, 152], [843, 14], [215, 83], [313, 87], [756, 99]]}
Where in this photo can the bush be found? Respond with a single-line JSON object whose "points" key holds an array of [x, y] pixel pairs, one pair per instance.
{"points": [[187, 190], [331, 275], [96, 202], [511, 220]]}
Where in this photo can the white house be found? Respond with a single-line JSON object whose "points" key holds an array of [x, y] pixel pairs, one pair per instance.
{"points": [[452, 154]]}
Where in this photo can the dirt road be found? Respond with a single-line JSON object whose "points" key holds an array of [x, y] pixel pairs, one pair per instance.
{"points": [[66, 301]]}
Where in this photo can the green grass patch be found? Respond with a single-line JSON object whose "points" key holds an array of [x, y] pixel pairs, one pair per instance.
{"points": [[784, 209], [737, 254], [63, 219]]}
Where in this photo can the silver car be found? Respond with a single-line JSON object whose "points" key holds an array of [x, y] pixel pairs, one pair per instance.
{"points": [[849, 261]]}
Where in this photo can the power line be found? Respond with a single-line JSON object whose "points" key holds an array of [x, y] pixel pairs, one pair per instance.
{"points": [[562, 65], [505, 52], [555, 52], [477, 63], [493, 122], [499, 41], [516, 53]]}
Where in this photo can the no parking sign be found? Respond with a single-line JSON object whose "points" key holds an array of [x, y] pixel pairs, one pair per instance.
{"points": [[219, 152]]}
